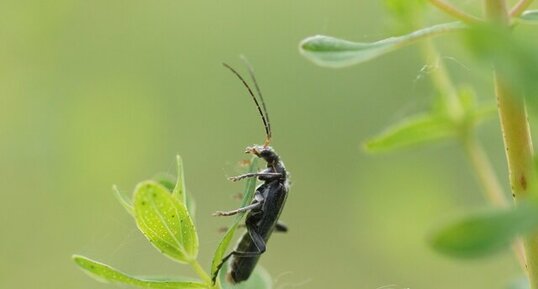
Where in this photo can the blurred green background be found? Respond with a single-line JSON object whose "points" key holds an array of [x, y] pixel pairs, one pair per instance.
{"points": [[96, 93]]}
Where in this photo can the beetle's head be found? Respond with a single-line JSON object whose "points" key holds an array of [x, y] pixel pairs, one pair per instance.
{"points": [[263, 151]]}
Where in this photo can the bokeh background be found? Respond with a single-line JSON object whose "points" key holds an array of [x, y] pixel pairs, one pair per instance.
{"points": [[96, 93]]}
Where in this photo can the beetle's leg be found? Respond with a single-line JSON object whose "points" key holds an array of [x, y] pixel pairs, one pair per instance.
{"points": [[281, 227], [255, 205], [252, 175], [214, 276], [256, 239]]}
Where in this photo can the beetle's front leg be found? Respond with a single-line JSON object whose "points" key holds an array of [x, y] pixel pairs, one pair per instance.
{"points": [[256, 203]]}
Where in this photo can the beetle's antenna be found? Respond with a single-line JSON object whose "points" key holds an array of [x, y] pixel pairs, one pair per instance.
{"points": [[258, 90], [265, 123]]}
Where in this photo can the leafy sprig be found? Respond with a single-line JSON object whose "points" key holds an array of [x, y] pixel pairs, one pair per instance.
{"points": [[164, 213]]}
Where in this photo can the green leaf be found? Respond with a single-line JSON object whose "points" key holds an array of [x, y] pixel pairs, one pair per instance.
{"points": [[412, 131], [180, 191], [250, 187], [485, 233], [530, 16], [124, 200], [166, 181], [105, 273], [332, 52], [260, 279], [164, 220]]}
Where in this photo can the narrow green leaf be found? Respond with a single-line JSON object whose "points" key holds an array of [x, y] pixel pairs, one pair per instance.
{"points": [[332, 52], [180, 191], [530, 16], [411, 131], [260, 279], [124, 200], [164, 220], [250, 187], [105, 273], [485, 233]]}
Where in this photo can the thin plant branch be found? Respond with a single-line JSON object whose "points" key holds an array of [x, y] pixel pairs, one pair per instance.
{"points": [[485, 173], [520, 7], [455, 12], [200, 271]]}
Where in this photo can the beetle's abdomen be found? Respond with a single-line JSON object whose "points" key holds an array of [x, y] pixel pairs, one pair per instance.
{"points": [[242, 267]]}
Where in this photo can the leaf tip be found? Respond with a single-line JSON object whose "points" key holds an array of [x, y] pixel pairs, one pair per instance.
{"points": [[310, 42], [81, 261], [76, 257]]}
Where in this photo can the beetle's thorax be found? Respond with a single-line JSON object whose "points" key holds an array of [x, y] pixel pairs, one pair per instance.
{"points": [[269, 155]]}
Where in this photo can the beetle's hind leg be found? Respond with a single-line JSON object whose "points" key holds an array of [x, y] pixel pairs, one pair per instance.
{"points": [[281, 227], [258, 241]]}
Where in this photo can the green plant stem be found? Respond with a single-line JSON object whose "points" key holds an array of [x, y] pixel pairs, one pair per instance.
{"points": [[496, 11], [520, 7], [454, 11], [476, 154], [200, 271], [517, 138], [519, 153], [517, 141]]}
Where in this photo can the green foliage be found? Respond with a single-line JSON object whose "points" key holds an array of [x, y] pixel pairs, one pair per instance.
{"points": [[515, 62], [431, 126], [412, 131], [163, 212], [225, 242], [482, 234], [332, 52], [105, 273], [165, 222]]}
